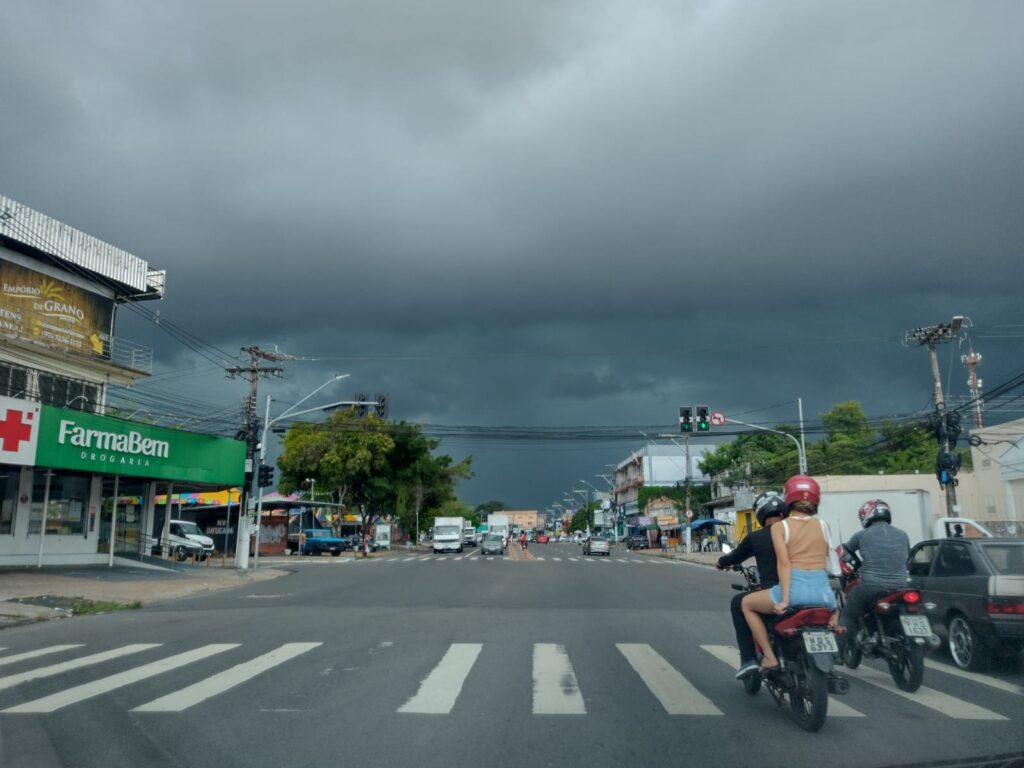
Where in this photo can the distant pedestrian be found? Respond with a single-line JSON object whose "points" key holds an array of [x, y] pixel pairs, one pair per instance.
{"points": [[522, 540], [664, 542], [721, 539]]}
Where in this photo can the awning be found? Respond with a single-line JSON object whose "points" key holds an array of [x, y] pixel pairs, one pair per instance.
{"points": [[706, 522]]}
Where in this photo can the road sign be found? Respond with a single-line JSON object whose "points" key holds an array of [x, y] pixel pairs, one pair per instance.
{"points": [[718, 419], [689, 514]]}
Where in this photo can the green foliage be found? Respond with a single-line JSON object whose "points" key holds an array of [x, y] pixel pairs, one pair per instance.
{"points": [[372, 467], [850, 446], [698, 495], [583, 519]]}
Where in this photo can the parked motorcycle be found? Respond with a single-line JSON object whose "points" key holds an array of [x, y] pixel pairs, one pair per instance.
{"points": [[894, 630], [805, 646]]}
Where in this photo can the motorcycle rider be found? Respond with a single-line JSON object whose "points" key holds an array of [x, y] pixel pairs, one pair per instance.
{"points": [[769, 508], [884, 549], [801, 550]]}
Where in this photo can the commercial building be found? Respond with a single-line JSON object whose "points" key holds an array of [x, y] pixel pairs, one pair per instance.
{"points": [[77, 485]]}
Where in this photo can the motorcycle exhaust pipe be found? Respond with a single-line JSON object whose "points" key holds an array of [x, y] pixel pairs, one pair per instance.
{"points": [[838, 685]]}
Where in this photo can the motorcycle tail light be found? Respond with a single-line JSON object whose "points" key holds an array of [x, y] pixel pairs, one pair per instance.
{"points": [[911, 597]]}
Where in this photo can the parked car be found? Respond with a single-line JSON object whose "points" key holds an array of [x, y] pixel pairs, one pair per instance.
{"points": [[977, 586], [597, 545], [492, 544], [186, 529], [182, 548], [320, 540], [638, 540], [542, 538]]}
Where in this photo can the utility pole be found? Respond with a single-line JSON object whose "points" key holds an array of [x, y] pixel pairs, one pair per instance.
{"points": [[971, 360], [253, 372], [947, 423]]}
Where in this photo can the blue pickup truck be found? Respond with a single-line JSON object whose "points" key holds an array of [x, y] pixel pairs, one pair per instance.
{"points": [[320, 540]]}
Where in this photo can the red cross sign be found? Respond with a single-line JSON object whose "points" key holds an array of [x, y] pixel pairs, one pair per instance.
{"points": [[19, 431]]}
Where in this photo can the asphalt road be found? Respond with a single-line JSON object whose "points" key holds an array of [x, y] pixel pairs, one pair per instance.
{"points": [[458, 660]]}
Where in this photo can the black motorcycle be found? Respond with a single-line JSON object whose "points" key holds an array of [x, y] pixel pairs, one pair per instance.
{"points": [[894, 630], [805, 646]]}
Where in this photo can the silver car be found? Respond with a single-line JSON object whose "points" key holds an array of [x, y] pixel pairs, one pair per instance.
{"points": [[492, 544], [597, 545]]}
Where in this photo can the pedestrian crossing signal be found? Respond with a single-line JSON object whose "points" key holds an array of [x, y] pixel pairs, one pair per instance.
{"points": [[703, 420]]}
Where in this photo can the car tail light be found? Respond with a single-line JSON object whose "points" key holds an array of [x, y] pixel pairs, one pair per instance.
{"points": [[1005, 606]]}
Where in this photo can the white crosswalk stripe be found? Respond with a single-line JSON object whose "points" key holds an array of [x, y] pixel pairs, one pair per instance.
{"points": [[731, 656], [113, 682], [36, 653], [974, 677], [223, 681], [67, 666], [440, 689], [555, 690], [677, 694], [950, 706]]}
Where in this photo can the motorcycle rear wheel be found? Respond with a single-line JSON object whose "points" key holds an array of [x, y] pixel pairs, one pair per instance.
{"points": [[907, 666], [809, 698], [752, 683]]}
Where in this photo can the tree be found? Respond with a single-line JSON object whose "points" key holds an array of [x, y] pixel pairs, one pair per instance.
{"points": [[373, 467]]}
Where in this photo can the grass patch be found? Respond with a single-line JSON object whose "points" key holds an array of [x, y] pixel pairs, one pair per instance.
{"points": [[79, 605]]}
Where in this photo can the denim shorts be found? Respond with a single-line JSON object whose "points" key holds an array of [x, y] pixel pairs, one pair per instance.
{"points": [[807, 588]]}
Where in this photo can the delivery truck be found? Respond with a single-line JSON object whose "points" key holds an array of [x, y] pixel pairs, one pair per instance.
{"points": [[498, 523], [448, 534]]}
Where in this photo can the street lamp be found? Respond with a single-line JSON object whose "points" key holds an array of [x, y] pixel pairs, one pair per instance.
{"points": [[800, 452], [267, 422]]}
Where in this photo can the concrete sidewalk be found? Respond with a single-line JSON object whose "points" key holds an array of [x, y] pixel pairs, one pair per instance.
{"points": [[120, 584]]}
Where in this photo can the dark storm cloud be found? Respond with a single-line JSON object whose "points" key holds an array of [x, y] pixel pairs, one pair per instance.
{"points": [[542, 213]]}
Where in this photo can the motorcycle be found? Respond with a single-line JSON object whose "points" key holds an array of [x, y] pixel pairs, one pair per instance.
{"points": [[894, 630], [805, 646]]}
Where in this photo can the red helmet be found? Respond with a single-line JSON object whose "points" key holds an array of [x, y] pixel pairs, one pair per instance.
{"points": [[873, 511], [801, 488]]}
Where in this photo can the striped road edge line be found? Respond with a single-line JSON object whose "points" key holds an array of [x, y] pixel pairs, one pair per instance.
{"points": [[440, 689], [223, 681], [731, 656]]}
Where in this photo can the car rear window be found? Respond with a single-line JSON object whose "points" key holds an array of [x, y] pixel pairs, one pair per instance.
{"points": [[1008, 559]]}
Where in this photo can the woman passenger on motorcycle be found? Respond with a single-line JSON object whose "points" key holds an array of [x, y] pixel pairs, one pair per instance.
{"points": [[801, 551]]}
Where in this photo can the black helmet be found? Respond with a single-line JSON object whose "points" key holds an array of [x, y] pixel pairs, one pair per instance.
{"points": [[769, 504]]}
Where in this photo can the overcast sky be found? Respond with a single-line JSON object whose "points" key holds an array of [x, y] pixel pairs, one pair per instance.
{"points": [[542, 213]]}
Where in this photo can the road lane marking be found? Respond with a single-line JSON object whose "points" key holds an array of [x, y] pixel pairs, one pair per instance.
{"points": [[407, 559], [677, 694], [36, 653], [557, 559], [113, 682], [730, 655], [440, 689], [993, 682], [66, 666], [555, 689], [638, 560], [574, 559], [427, 557], [950, 706], [539, 558], [223, 681]]}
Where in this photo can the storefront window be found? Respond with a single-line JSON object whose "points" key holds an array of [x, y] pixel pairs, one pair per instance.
{"points": [[9, 479], [69, 499]]}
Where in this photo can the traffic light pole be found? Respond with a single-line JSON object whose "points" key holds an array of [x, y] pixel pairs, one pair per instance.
{"points": [[801, 454], [267, 422]]}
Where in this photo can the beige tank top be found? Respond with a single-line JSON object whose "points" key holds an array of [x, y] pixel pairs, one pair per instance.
{"points": [[806, 543]]}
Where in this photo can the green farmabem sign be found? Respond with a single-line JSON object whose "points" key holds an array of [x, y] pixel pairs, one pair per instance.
{"points": [[104, 445]]}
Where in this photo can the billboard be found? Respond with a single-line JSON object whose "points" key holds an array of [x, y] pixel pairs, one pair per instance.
{"points": [[42, 309]]}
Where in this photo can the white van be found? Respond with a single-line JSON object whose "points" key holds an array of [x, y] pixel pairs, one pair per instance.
{"points": [[189, 531]]}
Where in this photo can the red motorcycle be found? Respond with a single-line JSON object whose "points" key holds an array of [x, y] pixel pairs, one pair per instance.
{"points": [[805, 646], [894, 630]]}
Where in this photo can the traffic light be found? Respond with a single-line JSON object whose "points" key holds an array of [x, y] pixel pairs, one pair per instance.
{"points": [[382, 406], [685, 419], [362, 409], [266, 476], [703, 420]]}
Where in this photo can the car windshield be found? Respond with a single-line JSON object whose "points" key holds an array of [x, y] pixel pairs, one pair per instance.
{"points": [[322, 534], [189, 529], [446, 530], [1007, 558]]}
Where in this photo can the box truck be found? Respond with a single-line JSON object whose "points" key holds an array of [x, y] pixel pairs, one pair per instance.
{"points": [[498, 523], [448, 534]]}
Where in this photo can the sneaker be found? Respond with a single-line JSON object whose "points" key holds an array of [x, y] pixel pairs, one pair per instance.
{"points": [[747, 668]]}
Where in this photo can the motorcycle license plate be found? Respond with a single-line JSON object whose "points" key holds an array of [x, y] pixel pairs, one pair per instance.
{"points": [[916, 626], [820, 642]]}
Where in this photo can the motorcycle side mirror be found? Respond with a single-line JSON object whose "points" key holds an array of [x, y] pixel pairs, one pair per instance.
{"points": [[726, 549]]}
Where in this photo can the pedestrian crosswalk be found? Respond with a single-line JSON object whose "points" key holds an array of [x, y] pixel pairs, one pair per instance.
{"points": [[475, 556], [556, 688]]}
